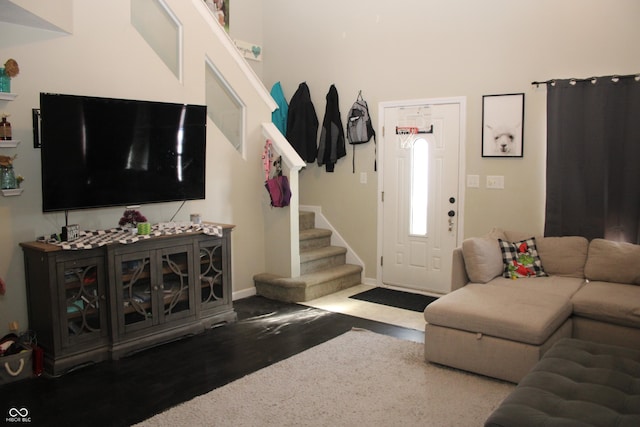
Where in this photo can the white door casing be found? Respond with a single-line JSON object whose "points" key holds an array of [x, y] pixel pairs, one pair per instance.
{"points": [[420, 260]]}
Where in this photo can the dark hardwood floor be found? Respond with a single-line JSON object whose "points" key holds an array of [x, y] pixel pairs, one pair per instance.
{"points": [[129, 390]]}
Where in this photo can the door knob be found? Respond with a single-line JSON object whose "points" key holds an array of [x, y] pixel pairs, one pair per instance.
{"points": [[451, 213]]}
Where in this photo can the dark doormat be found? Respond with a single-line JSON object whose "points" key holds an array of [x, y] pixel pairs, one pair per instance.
{"points": [[394, 298]]}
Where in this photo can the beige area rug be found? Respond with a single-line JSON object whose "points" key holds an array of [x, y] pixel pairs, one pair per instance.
{"points": [[357, 379]]}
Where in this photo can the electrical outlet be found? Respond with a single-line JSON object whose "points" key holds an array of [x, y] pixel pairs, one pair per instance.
{"points": [[473, 181], [363, 177], [495, 182]]}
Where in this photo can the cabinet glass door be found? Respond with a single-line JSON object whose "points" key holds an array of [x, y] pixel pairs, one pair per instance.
{"points": [[175, 288], [83, 300], [211, 274], [137, 292]]}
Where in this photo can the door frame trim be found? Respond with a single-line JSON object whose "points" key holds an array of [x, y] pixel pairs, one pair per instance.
{"points": [[462, 102]]}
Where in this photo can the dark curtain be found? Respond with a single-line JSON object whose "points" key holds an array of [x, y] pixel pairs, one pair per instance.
{"points": [[593, 158]]}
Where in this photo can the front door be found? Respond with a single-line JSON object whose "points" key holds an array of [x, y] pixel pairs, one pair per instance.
{"points": [[420, 193]]}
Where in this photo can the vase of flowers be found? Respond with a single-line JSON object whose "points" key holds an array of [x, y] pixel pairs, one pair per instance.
{"points": [[10, 70]]}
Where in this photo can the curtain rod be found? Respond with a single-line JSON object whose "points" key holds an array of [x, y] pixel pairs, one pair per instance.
{"points": [[614, 78]]}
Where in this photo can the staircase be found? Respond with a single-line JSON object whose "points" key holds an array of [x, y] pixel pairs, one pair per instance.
{"points": [[323, 268]]}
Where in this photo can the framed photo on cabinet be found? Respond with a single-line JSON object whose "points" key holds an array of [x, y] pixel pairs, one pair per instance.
{"points": [[503, 125]]}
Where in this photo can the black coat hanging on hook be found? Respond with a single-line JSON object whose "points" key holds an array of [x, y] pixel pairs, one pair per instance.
{"points": [[331, 145], [302, 124]]}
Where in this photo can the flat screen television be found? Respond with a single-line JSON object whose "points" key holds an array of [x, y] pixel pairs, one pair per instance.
{"points": [[99, 152]]}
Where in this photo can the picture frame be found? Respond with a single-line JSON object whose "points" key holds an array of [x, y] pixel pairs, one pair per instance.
{"points": [[503, 125]]}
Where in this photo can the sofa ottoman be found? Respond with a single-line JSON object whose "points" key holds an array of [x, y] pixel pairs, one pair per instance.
{"points": [[493, 330], [576, 383]]}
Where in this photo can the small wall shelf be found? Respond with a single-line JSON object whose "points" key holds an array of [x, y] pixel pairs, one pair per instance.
{"points": [[12, 192], [6, 96], [9, 143]]}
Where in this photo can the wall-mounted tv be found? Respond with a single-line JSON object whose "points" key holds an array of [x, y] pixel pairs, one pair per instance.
{"points": [[99, 152]]}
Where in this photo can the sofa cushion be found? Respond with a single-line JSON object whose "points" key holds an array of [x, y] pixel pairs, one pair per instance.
{"points": [[482, 258], [563, 256], [556, 285], [609, 302], [521, 258], [610, 261], [520, 314]]}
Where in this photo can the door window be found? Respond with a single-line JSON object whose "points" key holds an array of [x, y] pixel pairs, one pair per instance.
{"points": [[419, 187]]}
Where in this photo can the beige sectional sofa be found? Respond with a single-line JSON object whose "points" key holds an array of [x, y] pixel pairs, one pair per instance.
{"points": [[501, 327]]}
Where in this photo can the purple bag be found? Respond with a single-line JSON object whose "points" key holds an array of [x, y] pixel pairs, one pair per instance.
{"points": [[278, 188]]}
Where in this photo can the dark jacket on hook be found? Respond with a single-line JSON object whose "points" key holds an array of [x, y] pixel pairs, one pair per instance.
{"points": [[302, 124], [331, 145]]}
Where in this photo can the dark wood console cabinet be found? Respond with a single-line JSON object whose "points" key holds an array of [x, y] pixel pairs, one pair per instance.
{"points": [[90, 305]]}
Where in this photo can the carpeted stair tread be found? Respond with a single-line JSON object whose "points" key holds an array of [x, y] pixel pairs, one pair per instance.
{"points": [[313, 254]]}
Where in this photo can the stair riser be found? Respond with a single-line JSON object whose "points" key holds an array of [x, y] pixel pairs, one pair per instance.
{"points": [[307, 221], [322, 263], [272, 291], [319, 242], [332, 286]]}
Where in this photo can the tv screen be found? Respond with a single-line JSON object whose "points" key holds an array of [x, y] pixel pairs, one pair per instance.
{"points": [[99, 152]]}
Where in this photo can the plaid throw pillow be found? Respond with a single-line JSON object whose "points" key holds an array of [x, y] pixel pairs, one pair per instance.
{"points": [[521, 259]]}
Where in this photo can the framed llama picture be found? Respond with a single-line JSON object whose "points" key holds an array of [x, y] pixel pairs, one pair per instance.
{"points": [[503, 125]]}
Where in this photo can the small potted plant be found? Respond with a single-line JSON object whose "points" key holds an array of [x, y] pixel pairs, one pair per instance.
{"points": [[131, 218]]}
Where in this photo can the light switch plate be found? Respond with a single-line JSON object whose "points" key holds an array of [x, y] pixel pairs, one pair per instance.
{"points": [[495, 182], [473, 181]]}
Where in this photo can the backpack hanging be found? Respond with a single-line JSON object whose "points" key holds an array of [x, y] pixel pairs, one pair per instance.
{"points": [[359, 127]]}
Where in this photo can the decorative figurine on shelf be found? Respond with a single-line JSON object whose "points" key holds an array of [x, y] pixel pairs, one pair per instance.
{"points": [[10, 70], [131, 218]]}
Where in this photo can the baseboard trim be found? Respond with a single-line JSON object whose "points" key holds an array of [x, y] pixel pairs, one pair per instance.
{"points": [[243, 293]]}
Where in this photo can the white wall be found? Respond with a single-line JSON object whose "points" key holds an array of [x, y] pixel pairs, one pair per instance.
{"points": [[105, 56], [442, 48]]}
